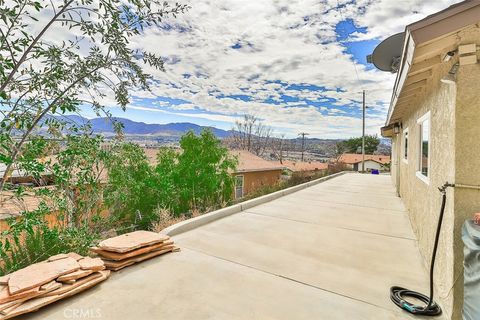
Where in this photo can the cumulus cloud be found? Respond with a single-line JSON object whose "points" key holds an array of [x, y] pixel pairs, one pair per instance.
{"points": [[266, 50], [281, 60]]}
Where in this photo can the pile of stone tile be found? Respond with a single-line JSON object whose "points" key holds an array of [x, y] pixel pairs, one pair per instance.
{"points": [[28, 289], [130, 248]]}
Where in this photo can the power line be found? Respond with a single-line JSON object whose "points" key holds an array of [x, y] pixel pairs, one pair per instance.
{"points": [[353, 62]]}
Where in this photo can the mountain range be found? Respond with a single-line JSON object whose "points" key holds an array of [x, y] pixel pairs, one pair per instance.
{"points": [[130, 127]]}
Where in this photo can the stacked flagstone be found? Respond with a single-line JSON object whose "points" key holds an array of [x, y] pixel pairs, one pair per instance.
{"points": [[130, 248], [63, 275]]}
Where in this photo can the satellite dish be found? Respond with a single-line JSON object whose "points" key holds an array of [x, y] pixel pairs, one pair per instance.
{"points": [[388, 53]]}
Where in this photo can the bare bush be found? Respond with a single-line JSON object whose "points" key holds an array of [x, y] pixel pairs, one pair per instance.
{"points": [[252, 135], [164, 219]]}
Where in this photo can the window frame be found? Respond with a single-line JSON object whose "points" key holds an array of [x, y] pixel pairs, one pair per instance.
{"points": [[243, 185], [420, 121], [405, 150]]}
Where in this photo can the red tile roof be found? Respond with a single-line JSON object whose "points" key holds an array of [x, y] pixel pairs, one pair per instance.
{"points": [[304, 166], [352, 158], [248, 162]]}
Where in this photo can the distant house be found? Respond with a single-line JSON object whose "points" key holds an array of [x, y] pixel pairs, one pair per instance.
{"points": [[308, 167], [372, 162], [433, 122], [254, 172]]}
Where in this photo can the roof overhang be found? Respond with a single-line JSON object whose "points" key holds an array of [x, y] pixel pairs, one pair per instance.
{"points": [[259, 170], [426, 43], [387, 131]]}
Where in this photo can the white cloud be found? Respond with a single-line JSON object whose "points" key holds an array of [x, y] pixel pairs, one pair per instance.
{"points": [[282, 42], [292, 42]]}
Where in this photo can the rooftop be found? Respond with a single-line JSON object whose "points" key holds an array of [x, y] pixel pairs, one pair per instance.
{"points": [[351, 158], [304, 166], [248, 162], [330, 251]]}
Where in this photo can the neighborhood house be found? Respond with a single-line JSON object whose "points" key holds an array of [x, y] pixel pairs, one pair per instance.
{"points": [[372, 162], [307, 168], [254, 172]]}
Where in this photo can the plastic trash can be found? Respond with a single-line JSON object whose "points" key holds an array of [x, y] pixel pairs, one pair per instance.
{"points": [[471, 251], [375, 171]]}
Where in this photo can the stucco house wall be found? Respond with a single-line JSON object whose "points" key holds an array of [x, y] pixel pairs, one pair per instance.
{"points": [[467, 157], [423, 199], [454, 157], [257, 179], [369, 166]]}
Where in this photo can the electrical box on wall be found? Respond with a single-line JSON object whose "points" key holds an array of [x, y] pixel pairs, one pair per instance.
{"points": [[467, 48], [465, 60], [467, 53]]}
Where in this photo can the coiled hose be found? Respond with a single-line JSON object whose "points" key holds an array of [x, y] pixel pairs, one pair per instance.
{"points": [[398, 294]]}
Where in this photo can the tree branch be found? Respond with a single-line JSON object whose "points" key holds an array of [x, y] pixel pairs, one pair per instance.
{"points": [[17, 147], [30, 47]]}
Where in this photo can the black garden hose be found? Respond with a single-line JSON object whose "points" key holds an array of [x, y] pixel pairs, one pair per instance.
{"points": [[398, 294]]}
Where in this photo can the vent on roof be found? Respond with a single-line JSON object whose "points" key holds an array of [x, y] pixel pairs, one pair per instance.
{"points": [[387, 54]]}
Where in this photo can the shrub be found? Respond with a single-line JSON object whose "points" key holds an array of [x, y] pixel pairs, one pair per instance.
{"points": [[33, 244], [295, 178], [202, 172], [196, 178], [336, 167], [76, 193], [131, 190], [164, 219], [263, 190]]}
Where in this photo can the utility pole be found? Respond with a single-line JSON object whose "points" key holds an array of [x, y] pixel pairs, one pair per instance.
{"points": [[303, 134], [363, 133]]}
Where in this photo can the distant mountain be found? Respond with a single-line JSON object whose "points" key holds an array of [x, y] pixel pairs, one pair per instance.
{"points": [[105, 125]]}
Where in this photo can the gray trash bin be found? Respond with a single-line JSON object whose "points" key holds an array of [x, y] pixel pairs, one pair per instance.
{"points": [[471, 239]]}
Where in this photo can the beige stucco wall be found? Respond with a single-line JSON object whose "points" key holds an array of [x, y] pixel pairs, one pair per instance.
{"points": [[423, 200], [454, 157], [467, 157], [257, 179]]}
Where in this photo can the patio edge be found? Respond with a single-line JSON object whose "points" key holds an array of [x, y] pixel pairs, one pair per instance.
{"points": [[199, 221]]}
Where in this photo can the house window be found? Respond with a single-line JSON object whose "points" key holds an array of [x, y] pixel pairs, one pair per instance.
{"points": [[424, 147], [405, 145], [239, 186]]}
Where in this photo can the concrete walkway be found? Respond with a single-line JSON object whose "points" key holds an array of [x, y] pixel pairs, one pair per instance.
{"points": [[330, 252]]}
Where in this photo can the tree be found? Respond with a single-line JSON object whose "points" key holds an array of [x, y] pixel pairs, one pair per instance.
{"points": [[252, 135], [42, 78], [202, 172], [354, 145], [278, 147], [73, 173], [64, 219], [77, 171], [131, 191]]}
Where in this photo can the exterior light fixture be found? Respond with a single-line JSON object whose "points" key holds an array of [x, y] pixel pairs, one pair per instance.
{"points": [[451, 77], [448, 56], [396, 128]]}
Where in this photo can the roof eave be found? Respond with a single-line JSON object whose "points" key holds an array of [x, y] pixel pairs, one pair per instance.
{"points": [[406, 61], [433, 27], [259, 170]]}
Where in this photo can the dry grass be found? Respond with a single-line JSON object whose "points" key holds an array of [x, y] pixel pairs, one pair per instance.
{"points": [[164, 219]]}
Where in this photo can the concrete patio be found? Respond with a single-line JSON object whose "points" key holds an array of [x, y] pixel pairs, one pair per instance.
{"points": [[330, 251]]}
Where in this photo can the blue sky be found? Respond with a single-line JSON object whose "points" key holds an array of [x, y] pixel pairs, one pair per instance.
{"points": [[299, 65]]}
